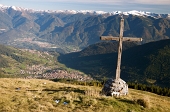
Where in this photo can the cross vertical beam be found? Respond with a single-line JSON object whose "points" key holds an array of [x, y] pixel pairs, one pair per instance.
{"points": [[120, 49]]}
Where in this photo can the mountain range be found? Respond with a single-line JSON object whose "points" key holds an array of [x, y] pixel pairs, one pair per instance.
{"points": [[92, 12], [70, 30]]}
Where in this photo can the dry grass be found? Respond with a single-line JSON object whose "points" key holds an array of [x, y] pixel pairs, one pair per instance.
{"points": [[20, 95]]}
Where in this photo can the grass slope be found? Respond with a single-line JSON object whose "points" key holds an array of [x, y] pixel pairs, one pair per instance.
{"points": [[23, 95]]}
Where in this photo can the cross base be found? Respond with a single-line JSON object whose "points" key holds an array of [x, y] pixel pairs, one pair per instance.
{"points": [[115, 87]]}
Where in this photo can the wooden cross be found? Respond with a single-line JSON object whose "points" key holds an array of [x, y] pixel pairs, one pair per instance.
{"points": [[120, 39]]}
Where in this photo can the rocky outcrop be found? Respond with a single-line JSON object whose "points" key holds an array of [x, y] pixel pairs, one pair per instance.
{"points": [[113, 87]]}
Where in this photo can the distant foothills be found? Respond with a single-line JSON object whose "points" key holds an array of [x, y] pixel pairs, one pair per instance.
{"points": [[69, 30]]}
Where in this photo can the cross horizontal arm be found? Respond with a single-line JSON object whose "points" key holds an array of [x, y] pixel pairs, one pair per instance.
{"points": [[131, 39], [117, 38], [109, 38]]}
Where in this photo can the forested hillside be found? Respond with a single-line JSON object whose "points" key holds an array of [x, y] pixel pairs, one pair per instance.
{"points": [[148, 63]]}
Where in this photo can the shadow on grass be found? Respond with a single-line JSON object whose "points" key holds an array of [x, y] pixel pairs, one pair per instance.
{"points": [[127, 101], [67, 89]]}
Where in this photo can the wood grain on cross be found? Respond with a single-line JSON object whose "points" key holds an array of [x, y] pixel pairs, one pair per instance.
{"points": [[120, 39]]}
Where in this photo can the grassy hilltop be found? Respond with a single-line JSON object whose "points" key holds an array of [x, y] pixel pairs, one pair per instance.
{"points": [[35, 95]]}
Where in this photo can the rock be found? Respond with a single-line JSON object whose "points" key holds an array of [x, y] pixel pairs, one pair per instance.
{"points": [[65, 103], [57, 101], [112, 86]]}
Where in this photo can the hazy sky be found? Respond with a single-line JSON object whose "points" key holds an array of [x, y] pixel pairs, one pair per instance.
{"points": [[156, 6]]}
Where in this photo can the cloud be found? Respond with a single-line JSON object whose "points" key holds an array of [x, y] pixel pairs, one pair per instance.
{"points": [[151, 2], [112, 2], [107, 2]]}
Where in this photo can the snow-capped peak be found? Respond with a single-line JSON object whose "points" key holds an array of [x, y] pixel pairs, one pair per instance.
{"points": [[76, 11], [17, 8], [135, 12], [3, 8], [140, 13]]}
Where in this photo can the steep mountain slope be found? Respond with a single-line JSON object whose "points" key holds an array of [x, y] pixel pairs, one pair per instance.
{"points": [[75, 30], [86, 32], [148, 63]]}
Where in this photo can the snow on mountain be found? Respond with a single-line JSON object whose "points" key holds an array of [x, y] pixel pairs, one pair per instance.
{"points": [[137, 13], [133, 12], [169, 15], [3, 8], [75, 11]]}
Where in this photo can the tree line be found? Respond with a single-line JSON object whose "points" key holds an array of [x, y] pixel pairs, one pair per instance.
{"points": [[150, 88]]}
